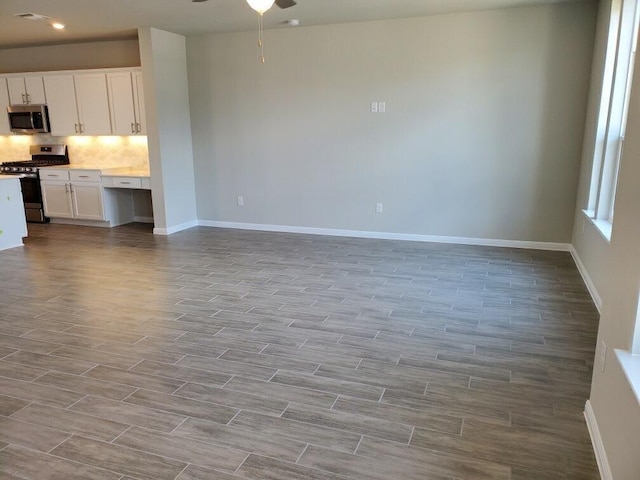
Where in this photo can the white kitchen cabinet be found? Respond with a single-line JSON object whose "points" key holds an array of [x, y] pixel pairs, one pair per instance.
{"points": [[126, 99], [138, 102], [5, 129], [63, 110], [71, 196], [93, 103], [78, 104], [26, 90]]}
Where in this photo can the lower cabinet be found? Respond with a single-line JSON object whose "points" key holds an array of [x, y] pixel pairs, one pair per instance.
{"points": [[82, 201], [72, 194], [78, 196]]}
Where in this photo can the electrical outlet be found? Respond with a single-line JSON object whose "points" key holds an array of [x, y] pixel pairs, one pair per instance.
{"points": [[603, 355], [374, 107], [241, 201], [379, 208], [382, 107]]}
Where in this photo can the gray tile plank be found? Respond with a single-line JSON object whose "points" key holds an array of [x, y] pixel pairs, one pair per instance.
{"points": [[245, 440], [229, 397], [274, 427], [134, 379], [182, 406], [36, 437], [124, 460], [183, 449], [39, 393], [349, 422], [129, 413], [264, 468], [282, 392], [85, 385], [71, 422], [26, 463]]}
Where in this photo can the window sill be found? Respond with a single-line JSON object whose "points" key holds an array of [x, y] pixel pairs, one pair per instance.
{"points": [[630, 364], [604, 227]]}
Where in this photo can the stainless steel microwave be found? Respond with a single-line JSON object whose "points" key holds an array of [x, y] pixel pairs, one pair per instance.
{"points": [[28, 119]]}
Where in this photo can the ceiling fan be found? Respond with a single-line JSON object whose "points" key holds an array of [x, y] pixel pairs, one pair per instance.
{"points": [[262, 6]]}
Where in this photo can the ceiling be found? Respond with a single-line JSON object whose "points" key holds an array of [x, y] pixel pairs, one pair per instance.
{"points": [[88, 20]]}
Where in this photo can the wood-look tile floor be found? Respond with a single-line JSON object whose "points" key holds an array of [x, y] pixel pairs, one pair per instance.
{"points": [[221, 354]]}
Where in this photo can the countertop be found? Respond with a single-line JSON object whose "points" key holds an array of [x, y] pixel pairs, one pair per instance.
{"points": [[105, 172], [9, 177]]}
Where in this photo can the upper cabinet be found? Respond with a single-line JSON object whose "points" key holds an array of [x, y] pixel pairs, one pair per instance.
{"points": [[93, 103], [4, 103], [82, 102], [126, 100], [78, 104], [25, 90]]}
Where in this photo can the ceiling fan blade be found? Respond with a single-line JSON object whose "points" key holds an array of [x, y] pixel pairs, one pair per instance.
{"points": [[285, 3]]}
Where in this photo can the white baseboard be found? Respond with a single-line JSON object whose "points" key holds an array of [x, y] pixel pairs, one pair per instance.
{"points": [[596, 441], [587, 279], [143, 219], [389, 236], [175, 228], [82, 223]]}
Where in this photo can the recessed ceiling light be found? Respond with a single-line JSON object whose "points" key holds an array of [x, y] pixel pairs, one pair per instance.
{"points": [[294, 22], [32, 16], [57, 26]]}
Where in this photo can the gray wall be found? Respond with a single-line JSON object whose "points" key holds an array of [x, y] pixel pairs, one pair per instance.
{"points": [[614, 269], [116, 53], [164, 69], [482, 135]]}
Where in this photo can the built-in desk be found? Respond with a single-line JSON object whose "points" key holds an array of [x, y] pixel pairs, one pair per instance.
{"points": [[126, 178]]}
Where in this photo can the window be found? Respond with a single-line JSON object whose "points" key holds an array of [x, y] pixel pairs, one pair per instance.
{"points": [[612, 118]]}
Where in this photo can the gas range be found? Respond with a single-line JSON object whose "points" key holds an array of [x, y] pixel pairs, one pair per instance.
{"points": [[41, 156], [27, 170]]}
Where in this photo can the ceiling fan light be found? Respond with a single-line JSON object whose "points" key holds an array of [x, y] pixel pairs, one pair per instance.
{"points": [[260, 6]]}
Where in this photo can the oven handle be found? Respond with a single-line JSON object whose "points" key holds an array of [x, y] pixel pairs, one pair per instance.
{"points": [[22, 175]]}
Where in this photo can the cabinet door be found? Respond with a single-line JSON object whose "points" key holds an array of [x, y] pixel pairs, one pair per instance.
{"points": [[93, 103], [35, 89], [87, 201], [5, 129], [138, 98], [123, 119], [56, 199], [63, 113], [17, 93]]}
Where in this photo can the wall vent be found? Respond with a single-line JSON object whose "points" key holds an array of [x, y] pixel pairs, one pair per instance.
{"points": [[32, 16]]}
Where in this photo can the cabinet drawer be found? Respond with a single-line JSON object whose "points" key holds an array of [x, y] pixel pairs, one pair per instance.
{"points": [[85, 175], [48, 174], [127, 182]]}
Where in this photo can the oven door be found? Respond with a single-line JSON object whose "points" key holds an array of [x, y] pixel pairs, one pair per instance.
{"points": [[32, 197]]}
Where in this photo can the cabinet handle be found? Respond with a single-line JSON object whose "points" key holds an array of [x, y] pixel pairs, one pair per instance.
{"points": [[24, 100], [83, 176], [28, 98], [138, 128], [81, 127], [76, 126], [66, 187], [125, 183], [133, 127]]}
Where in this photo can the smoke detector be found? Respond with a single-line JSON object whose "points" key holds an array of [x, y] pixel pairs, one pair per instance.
{"points": [[32, 16]]}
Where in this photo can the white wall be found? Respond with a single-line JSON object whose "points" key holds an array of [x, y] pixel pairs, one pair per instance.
{"points": [[115, 53], [614, 269], [164, 69], [482, 135]]}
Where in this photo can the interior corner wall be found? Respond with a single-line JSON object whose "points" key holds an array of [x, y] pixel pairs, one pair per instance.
{"points": [[481, 137], [613, 268], [75, 56], [164, 69]]}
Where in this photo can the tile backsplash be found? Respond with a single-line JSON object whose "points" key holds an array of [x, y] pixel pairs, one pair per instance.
{"points": [[102, 151]]}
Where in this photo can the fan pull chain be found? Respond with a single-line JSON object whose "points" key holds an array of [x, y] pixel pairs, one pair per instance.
{"points": [[261, 36]]}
